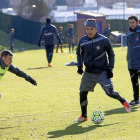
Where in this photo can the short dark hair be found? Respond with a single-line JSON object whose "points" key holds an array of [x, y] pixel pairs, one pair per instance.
{"points": [[133, 17], [5, 53], [48, 20], [91, 19]]}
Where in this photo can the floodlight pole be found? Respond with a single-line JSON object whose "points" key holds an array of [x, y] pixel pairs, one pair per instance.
{"points": [[97, 6], [73, 11], [123, 16]]}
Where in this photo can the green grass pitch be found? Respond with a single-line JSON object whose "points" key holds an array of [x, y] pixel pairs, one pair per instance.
{"points": [[47, 111]]}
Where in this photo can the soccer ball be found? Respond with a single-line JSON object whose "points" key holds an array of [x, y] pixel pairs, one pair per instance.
{"points": [[97, 117]]}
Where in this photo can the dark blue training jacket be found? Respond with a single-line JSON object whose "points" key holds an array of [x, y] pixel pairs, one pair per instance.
{"points": [[69, 33], [48, 32], [93, 52], [133, 52], [107, 32], [60, 35]]}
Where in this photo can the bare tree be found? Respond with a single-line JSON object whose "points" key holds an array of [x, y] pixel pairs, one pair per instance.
{"points": [[35, 10]]}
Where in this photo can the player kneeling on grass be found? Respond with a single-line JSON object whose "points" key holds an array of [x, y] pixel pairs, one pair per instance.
{"points": [[6, 65], [97, 54]]}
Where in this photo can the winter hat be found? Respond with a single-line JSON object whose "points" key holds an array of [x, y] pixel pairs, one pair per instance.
{"points": [[48, 20], [91, 23]]}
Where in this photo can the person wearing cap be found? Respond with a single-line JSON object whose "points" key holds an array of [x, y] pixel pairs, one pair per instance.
{"points": [[47, 32], [61, 37], [11, 39], [107, 31], [6, 58], [97, 54]]}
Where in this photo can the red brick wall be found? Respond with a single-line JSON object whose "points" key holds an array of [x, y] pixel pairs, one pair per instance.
{"points": [[80, 29]]}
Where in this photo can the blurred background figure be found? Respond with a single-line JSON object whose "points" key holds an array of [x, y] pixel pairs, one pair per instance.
{"points": [[69, 34], [107, 31], [61, 38], [11, 39]]}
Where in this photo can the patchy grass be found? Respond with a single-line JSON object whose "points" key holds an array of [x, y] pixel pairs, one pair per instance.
{"points": [[48, 110]]}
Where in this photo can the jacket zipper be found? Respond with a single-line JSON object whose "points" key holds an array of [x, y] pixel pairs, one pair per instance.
{"points": [[93, 52], [131, 50]]}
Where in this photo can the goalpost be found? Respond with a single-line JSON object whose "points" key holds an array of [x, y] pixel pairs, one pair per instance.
{"points": [[123, 40]]}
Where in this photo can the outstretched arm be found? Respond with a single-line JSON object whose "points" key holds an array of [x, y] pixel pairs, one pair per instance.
{"points": [[22, 74]]}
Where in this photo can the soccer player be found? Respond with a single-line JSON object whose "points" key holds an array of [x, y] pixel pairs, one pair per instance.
{"points": [[133, 55], [107, 31], [61, 37], [97, 54], [6, 58], [48, 32], [69, 34]]}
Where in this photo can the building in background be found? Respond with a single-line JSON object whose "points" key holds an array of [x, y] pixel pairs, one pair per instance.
{"points": [[90, 3], [8, 11], [65, 14], [68, 15], [109, 3], [75, 2]]}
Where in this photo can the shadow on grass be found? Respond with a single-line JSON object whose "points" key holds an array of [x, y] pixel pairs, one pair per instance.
{"points": [[119, 110], [74, 129], [37, 68], [8, 127]]}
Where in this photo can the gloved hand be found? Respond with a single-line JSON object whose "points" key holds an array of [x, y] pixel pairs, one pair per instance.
{"points": [[80, 70], [31, 80], [109, 73], [39, 44]]}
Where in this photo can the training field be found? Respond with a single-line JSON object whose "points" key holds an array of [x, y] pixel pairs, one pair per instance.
{"points": [[48, 110]]}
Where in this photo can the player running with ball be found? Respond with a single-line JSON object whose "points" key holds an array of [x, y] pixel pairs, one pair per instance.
{"points": [[97, 54]]}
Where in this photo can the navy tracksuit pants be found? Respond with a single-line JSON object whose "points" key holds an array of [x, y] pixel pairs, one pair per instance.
{"points": [[49, 52], [134, 74]]}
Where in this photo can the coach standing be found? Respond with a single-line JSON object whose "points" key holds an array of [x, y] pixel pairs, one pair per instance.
{"points": [[48, 32], [93, 49], [133, 55]]}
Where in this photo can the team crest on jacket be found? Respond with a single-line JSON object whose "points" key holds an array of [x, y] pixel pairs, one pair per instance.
{"points": [[98, 47], [137, 39]]}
